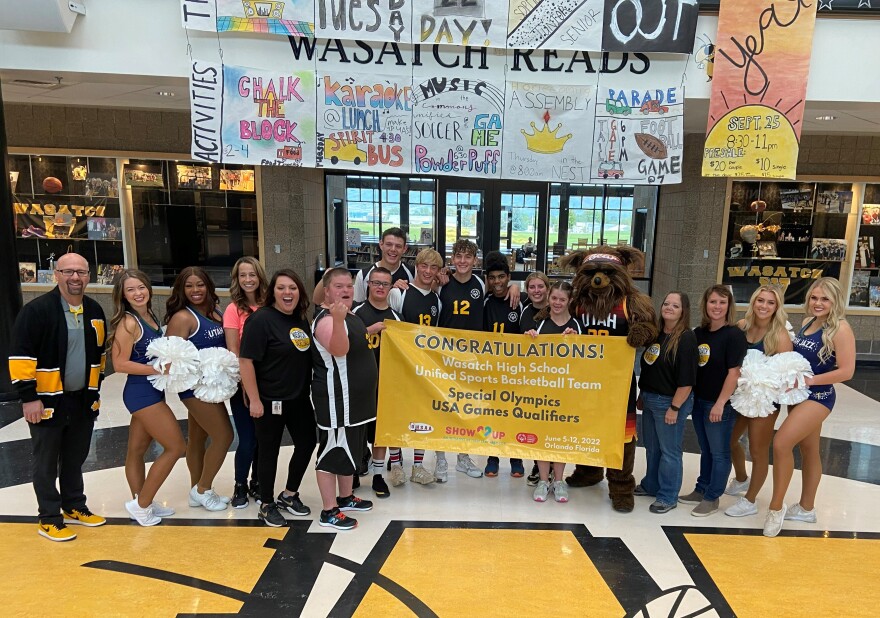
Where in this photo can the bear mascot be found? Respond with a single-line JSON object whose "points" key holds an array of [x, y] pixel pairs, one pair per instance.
{"points": [[606, 302]]}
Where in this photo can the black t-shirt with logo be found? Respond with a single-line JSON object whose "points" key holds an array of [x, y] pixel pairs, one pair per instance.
{"points": [[461, 304], [718, 351], [527, 320], [662, 374], [371, 315], [499, 317], [278, 344]]}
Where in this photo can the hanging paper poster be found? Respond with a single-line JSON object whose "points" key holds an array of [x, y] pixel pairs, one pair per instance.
{"points": [[650, 25], [545, 130], [478, 23], [282, 17], [639, 133], [364, 121], [758, 93], [372, 20], [555, 24], [244, 115]]}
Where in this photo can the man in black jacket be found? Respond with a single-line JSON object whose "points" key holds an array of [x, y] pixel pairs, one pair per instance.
{"points": [[56, 363]]}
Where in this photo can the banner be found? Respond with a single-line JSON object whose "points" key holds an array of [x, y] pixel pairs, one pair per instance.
{"points": [[554, 398], [374, 20], [650, 25], [555, 24], [281, 17], [478, 23], [244, 115], [759, 86], [745, 275]]}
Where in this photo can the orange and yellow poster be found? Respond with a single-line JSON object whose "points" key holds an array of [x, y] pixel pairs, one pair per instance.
{"points": [[762, 60]]}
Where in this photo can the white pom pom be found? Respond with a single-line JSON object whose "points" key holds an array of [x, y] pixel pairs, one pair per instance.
{"points": [[791, 370], [218, 379], [756, 388], [790, 330], [180, 358]]}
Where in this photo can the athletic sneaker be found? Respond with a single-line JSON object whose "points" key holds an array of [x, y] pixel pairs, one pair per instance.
{"points": [[421, 475], [560, 491], [441, 471], [380, 487], [271, 516], [737, 488], [240, 496], [466, 464], [742, 508], [517, 470], [254, 490], [397, 475], [491, 469], [695, 497], [798, 513], [160, 510], [143, 516], [355, 482], [84, 517], [541, 491], [54, 532], [705, 508], [533, 477], [640, 491], [353, 503], [209, 500], [293, 505], [661, 507], [364, 468], [336, 519], [773, 523]]}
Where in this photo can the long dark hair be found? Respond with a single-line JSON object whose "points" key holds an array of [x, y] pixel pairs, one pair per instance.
{"points": [[177, 301], [237, 295], [564, 286], [683, 324], [303, 305], [121, 306]]}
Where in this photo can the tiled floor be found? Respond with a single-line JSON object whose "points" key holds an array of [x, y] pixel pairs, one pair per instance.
{"points": [[469, 547]]}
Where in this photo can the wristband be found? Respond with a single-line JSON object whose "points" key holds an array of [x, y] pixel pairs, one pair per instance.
{"points": [[674, 407]]}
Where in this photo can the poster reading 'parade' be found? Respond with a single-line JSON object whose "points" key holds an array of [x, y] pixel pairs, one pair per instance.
{"points": [[545, 127], [757, 105], [639, 132], [370, 20], [281, 17], [478, 23], [555, 24], [245, 115]]}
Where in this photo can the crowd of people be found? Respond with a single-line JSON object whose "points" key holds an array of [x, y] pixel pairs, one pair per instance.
{"points": [[313, 370]]}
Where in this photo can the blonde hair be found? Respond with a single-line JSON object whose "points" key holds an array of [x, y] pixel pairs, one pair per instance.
{"points": [[237, 295], [776, 330], [724, 292], [538, 275], [430, 257], [836, 315]]}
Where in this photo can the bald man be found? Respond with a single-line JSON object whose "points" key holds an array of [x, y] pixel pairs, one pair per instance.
{"points": [[56, 363]]}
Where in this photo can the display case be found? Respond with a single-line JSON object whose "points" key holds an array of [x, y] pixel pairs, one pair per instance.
{"points": [[865, 286]]}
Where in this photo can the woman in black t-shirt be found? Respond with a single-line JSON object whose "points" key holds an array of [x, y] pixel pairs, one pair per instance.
{"points": [[669, 372], [721, 348], [276, 372]]}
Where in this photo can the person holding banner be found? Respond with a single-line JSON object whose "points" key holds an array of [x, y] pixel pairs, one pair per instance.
{"points": [[826, 340], [669, 372], [344, 395], [554, 319], [721, 348]]}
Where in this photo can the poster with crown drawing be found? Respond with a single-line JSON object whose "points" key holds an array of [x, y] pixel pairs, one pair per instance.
{"points": [[543, 127], [638, 136], [281, 17]]}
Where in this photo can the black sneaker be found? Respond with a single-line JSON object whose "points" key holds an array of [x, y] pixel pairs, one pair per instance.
{"points": [[364, 468], [533, 477], [353, 503], [254, 489], [293, 505], [335, 519], [271, 516], [380, 487], [240, 496]]}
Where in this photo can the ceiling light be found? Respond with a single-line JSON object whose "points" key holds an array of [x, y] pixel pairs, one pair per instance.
{"points": [[165, 93], [826, 117]]}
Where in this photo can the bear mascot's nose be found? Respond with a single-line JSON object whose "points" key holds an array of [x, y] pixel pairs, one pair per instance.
{"points": [[600, 280]]}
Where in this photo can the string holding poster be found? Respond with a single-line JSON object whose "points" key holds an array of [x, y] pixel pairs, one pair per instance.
{"points": [[375, 20], [639, 132], [245, 115], [545, 128], [756, 109], [555, 24], [478, 23], [668, 26], [281, 17], [364, 121]]}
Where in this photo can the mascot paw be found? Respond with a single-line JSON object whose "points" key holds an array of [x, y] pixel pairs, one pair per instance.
{"points": [[585, 476], [642, 334], [623, 504]]}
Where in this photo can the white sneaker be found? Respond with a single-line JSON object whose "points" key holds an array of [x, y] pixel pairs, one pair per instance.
{"points": [[209, 500], [560, 491], [143, 516], [541, 491], [441, 470], [773, 523], [737, 488], [742, 508], [420, 475], [224, 499], [466, 464], [159, 510], [397, 476], [798, 513]]}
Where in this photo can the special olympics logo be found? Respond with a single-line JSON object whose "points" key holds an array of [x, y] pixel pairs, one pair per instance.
{"points": [[513, 316], [475, 293], [434, 310]]}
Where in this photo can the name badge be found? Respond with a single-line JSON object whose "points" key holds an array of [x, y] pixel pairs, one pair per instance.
{"points": [[276, 407]]}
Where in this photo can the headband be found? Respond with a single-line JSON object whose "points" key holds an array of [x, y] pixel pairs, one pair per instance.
{"points": [[603, 257]]}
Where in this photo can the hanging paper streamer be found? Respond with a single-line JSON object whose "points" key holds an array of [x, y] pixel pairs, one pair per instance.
{"points": [[478, 23], [555, 24], [281, 17], [374, 20]]}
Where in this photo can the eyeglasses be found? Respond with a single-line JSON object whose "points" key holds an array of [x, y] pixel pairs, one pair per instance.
{"points": [[69, 272], [380, 284]]}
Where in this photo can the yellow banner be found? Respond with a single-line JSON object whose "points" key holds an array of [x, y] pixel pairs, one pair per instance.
{"points": [[554, 398]]}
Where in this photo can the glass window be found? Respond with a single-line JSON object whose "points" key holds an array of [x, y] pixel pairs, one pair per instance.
{"points": [[865, 290]]}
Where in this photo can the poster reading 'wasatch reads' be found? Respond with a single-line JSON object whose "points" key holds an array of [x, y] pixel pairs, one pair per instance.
{"points": [[757, 105], [372, 20], [281, 17], [364, 121], [545, 128], [639, 132], [476, 23]]}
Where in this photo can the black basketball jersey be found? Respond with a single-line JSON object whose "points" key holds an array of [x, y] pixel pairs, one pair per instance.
{"points": [[461, 304], [361, 289], [371, 315], [416, 307], [615, 324], [499, 317], [549, 327], [527, 318]]}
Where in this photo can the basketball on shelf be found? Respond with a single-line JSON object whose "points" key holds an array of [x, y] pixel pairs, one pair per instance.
{"points": [[52, 185], [758, 206]]}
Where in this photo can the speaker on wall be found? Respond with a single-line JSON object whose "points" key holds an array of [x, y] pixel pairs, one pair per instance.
{"points": [[40, 15]]}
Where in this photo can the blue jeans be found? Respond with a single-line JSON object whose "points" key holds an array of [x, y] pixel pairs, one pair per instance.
{"points": [[714, 439], [245, 452], [663, 446]]}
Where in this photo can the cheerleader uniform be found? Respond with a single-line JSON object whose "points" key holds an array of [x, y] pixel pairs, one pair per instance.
{"points": [[808, 346], [138, 392], [209, 334]]}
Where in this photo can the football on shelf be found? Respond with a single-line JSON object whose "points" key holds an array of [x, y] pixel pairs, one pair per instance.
{"points": [[52, 185]]}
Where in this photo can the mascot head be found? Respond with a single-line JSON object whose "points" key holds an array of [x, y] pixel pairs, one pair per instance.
{"points": [[603, 278]]}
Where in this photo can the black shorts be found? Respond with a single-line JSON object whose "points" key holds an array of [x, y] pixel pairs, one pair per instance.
{"points": [[343, 456]]}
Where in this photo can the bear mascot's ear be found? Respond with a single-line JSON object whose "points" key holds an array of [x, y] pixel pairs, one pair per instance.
{"points": [[573, 260], [632, 258]]}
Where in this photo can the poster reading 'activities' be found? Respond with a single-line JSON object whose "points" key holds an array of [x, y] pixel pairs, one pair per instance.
{"points": [[758, 93]]}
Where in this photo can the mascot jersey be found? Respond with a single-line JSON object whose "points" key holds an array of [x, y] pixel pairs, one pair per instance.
{"points": [[615, 324]]}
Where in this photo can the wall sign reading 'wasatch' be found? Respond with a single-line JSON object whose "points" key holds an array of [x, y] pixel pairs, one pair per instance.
{"points": [[759, 85]]}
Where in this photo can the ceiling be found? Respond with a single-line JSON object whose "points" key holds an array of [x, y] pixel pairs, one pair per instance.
{"points": [[138, 91]]}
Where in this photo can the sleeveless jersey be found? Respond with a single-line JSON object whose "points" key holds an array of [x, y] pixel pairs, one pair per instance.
{"points": [[209, 333], [147, 336], [527, 318], [370, 315], [498, 317], [361, 289], [549, 327], [418, 308], [461, 304]]}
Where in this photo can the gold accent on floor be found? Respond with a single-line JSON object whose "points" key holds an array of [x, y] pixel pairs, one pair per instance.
{"points": [[378, 602]]}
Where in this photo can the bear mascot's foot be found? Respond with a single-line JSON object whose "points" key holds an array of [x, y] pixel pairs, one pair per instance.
{"points": [[585, 476]]}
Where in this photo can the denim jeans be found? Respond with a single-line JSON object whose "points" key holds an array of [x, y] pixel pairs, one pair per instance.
{"points": [[714, 439], [663, 446], [245, 453]]}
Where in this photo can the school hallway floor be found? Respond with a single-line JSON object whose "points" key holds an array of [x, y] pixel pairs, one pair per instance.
{"points": [[465, 548]]}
